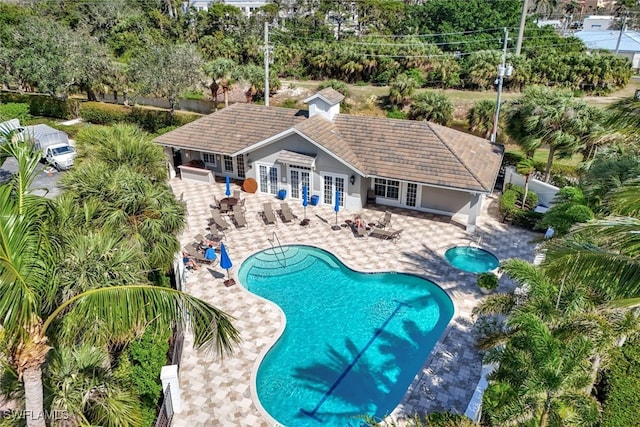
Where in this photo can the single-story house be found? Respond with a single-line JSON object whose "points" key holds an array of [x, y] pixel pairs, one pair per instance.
{"points": [[410, 164]]}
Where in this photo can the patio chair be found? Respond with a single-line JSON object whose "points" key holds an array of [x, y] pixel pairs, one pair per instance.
{"points": [[267, 214], [236, 194], [216, 203], [285, 212], [238, 217], [385, 221], [386, 234], [224, 207], [219, 221], [192, 251], [361, 232]]}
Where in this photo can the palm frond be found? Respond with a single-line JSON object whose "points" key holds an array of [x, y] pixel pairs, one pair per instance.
{"points": [[120, 309], [495, 304]]}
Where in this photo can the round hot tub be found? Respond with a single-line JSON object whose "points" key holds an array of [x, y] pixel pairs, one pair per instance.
{"points": [[472, 260]]}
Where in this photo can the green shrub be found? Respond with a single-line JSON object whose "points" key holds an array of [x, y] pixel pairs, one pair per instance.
{"points": [[104, 114], [139, 367], [14, 110], [396, 114], [44, 105], [193, 95], [511, 201], [563, 216], [290, 103], [487, 280]]}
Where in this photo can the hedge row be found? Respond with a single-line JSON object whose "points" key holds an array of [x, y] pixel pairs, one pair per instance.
{"points": [[150, 120], [44, 105], [621, 403]]}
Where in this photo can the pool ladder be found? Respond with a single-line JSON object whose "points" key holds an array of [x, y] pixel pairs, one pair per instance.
{"points": [[274, 238]]}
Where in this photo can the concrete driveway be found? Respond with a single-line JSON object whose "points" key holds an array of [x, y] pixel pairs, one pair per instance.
{"points": [[45, 184]]}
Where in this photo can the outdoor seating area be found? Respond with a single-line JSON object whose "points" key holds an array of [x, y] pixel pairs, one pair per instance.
{"points": [[422, 254], [201, 250]]}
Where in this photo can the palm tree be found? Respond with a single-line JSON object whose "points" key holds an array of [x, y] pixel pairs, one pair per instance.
{"points": [[545, 375], [145, 212], [525, 167], [604, 254], [552, 118], [555, 339], [83, 386], [222, 71], [401, 89], [481, 116], [122, 144], [431, 106], [32, 310]]}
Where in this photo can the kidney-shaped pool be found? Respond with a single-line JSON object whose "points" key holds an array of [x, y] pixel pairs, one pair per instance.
{"points": [[353, 341]]}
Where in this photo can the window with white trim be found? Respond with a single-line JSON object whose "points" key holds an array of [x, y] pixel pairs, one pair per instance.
{"points": [[209, 159], [387, 188], [228, 163]]}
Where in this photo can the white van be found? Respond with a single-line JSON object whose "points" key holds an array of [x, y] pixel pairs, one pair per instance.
{"points": [[54, 144]]}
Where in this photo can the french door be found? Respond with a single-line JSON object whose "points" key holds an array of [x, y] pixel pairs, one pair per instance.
{"points": [[333, 183], [299, 177], [269, 177], [412, 194]]}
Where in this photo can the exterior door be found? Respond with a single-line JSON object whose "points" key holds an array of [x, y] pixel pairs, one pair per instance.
{"points": [[412, 193], [333, 183], [269, 177], [299, 177]]}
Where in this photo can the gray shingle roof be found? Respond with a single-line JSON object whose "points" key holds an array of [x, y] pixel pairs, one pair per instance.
{"points": [[408, 150], [233, 128]]}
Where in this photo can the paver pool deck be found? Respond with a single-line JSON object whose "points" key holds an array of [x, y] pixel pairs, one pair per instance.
{"points": [[218, 392]]}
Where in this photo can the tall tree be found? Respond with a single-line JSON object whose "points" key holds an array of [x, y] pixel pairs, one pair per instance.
{"points": [[550, 118], [166, 71], [224, 73]]}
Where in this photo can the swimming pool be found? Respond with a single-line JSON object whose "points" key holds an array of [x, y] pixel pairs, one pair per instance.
{"points": [[472, 260], [353, 341]]}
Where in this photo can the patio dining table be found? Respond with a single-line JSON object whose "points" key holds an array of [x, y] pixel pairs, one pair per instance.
{"points": [[230, 201]]}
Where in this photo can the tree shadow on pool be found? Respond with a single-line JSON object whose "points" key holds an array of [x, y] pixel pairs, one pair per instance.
{"points": [[363, 379]]}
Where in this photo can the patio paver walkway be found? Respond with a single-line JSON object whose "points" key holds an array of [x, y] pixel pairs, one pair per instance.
{"points": [[219, 392]]}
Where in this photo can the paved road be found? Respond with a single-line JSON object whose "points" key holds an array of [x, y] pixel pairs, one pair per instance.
{"points": [[45, 184]]}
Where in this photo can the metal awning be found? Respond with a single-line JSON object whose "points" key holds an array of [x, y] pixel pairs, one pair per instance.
{"points": [[293, 158]]}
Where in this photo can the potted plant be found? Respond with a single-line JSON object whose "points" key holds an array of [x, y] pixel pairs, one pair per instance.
{"points": [[487, 282]]}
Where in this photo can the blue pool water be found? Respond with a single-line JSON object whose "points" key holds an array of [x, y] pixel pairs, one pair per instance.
{"points": [[353, 342], [472, 260]]}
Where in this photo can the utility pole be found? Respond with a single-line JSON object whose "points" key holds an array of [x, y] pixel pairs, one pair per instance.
{"points": [[267, 49], [503, 70], [523, 20], [624, 24]]}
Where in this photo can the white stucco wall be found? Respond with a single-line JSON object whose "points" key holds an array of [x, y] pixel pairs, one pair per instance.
{"points": [[546, 192]]}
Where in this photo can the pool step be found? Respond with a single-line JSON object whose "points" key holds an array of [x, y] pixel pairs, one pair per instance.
{"points": [[274, 269]]}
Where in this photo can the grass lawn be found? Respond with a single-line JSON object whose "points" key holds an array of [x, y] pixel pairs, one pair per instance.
{"points": [[542, 154], [462, 99]]}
